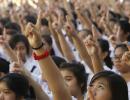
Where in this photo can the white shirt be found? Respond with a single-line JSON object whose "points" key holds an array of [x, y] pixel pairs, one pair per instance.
{"points": [[32, 66], [128, 84]]}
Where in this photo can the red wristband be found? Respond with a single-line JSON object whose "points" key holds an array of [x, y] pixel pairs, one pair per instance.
{"points": [[39, 57]]}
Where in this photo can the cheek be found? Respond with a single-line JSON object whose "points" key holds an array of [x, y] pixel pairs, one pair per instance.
{"points": [[23, 52], [73, 87], [102, 95], [9, 97]]}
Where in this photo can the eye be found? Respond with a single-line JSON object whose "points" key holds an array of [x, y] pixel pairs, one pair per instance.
{"points": [[91, 85], [68, 79], [100, 87], [7, 92]]}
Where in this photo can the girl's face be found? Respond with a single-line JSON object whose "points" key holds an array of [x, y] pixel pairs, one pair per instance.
{"points": [[6, 93], [20, 50], [100, 89], [71, 82], [120, 66]]}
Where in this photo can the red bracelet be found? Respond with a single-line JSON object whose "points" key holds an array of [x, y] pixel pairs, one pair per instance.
{"points": [[39, 57]]}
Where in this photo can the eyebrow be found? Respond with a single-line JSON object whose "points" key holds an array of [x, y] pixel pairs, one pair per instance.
{"points": [[101, 83], [68, 76]]}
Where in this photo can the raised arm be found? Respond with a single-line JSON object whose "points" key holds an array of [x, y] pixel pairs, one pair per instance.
{"points": [[78, 43], [54, 34], [17, 67], [49, 69], [84, 19], [93, 52], [67, 52]]}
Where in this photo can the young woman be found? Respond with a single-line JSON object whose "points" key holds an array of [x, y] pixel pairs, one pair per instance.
{"points": [[76, 79], [107, 85], [13, 87], [21, 47]]}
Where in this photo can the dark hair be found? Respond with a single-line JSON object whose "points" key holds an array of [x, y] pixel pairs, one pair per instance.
{"points": [[97, 27], [44, 22], [128, 38], [104, 45], [117, 84], [30, 18], [49, 41], [64, 12], [125, 26], [58, 60], [123, 46], [79, 72], [11, 32], [19, 38], [1, 31], [17, 83], [4, 21], [4, 66], [14, 26]]}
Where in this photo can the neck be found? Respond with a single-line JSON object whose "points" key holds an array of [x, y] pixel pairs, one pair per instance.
{"points": [[126, 76]]}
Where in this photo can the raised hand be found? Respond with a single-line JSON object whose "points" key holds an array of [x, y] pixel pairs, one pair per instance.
{"points": [[113, 40], [69, 26], [91, 46], [17, 67], [96, 33], [33, 35]]}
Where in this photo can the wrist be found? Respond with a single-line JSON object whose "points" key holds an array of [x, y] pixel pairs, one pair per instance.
{"points": [[38, 47], [39, 51], [40, 54], [94, 55]]}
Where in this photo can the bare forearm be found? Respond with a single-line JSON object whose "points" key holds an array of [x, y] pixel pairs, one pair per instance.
{"points": [[97, 65], [68, 8], [86, 22], [54, 78], [65, 48], [40, 94], [82, 51]]}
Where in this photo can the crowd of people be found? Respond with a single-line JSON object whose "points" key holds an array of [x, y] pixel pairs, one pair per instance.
{"points": [[65, 50]]}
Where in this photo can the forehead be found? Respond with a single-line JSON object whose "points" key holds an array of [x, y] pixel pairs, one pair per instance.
{"points": [[119, 51], [19, 44], [66, 73], [101, 80]]}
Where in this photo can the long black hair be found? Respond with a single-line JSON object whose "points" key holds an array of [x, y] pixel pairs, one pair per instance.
{"points": [[104, 45], [19, 38], [117, 84], [17, 83], [79, 72]]}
